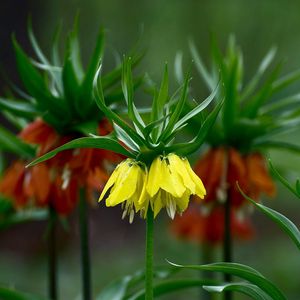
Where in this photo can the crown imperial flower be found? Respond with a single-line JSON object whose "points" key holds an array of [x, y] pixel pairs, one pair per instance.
{"points": [[156, 175], [169, 183], [126, 185]]}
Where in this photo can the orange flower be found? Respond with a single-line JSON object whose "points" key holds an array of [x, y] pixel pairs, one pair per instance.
{"points": [[12, 183], [248, 170], [57, 181], [40, 133], [203, 226]]}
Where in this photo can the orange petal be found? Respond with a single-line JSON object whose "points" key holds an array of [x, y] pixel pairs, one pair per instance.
{"points": [[210, 169], [41, 183], [11, 184], [237, 172], [260, 179]]}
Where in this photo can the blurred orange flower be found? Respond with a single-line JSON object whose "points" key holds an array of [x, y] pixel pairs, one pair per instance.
{"points": [[248, 170], [219, 170], [203, 226], [57, 181]]}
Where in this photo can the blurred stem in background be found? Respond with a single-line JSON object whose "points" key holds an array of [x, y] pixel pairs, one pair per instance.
{"points": [[52, 254], [207, 257], [227, 241], [149, 256], [85, 249]]}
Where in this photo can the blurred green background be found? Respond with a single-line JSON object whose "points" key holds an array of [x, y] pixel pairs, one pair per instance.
{"points": [[163, 27]]}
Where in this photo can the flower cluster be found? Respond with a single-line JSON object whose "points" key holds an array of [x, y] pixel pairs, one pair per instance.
{"points": [[56, 182], [220, 170], [156, 174], [248, 170], [57, 107], [242, 132], [169, 183], [207, 226]]}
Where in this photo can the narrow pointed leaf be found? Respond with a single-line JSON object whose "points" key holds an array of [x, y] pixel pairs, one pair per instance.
{"points": [[36, 86], [197, 109], [281, 105], [284, 181], [127, 87], [283, 82], [74, 48], [241, 287], [258, 99], [170, 286], [85, 99], [18, 122], [201, 67], [126, 139], [19, 108], [178, 67], [258, 75], [40, 54], [11, 294], [70, 83], [159, 101], [194, 145], [277, 145], [99, 99], [285, 224], [241, 271], [116, 290], [101, 142], [177, 111], [31, 78], [111, 78], [9, 142]]}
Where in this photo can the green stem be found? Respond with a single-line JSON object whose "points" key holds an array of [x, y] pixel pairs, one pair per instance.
{"points": [[84, 243], [227, 245], [52, 255], [207, 257], [149, 256]]}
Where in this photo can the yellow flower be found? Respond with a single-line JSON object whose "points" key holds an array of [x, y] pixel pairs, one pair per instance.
{"points": [[171, 182], [127, 185]]}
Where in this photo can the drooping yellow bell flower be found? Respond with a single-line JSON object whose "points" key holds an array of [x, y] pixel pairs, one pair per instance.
{"points": [[127, 185], [171, 182]]}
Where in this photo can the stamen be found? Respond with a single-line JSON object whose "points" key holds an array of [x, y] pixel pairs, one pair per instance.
{"points": [[66, 176], [131, 216]]}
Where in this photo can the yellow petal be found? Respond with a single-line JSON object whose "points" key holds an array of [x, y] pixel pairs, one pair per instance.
{"points": [[112, 179], [143, 192], [180, 168], [157, 203], [200, 189], [154, 177], [183, 202], [125, 186], [171, 182]]}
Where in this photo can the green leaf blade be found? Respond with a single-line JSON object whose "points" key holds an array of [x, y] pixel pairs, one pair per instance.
{"points": [[242, 271], [101, 142]]}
